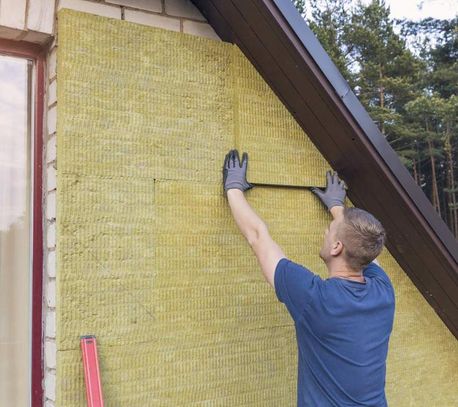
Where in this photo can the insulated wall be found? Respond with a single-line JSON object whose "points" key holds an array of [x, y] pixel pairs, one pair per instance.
{"points": [[149, 258]]}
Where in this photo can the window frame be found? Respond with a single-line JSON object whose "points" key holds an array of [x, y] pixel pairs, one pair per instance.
{"points": [[37, 54]]}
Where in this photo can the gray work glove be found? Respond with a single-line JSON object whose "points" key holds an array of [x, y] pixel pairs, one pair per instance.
{"points": [[234, 173], [334, 194]]}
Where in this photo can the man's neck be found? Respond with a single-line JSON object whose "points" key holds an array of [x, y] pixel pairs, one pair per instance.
{"points": [[356, 277], [346, 273]]}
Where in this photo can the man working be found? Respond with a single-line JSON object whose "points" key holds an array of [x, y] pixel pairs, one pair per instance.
{"points": [[343, 323]]}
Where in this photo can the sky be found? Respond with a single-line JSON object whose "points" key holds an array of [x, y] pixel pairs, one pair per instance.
{"points": [[418, 9]]}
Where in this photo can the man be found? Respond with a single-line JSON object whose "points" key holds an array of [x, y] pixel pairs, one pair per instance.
{"points": [[343, 323]]}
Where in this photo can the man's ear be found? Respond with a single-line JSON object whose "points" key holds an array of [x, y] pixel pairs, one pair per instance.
{"points": [[336, 248]]}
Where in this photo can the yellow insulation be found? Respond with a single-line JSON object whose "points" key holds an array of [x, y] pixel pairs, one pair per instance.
{"points": [[279, 152], [149, 258]]}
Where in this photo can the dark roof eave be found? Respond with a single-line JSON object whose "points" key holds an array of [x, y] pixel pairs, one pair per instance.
{"points": [[280, 45], [360, 115]]}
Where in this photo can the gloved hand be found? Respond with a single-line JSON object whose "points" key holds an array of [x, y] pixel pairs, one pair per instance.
{"points": [[234, 173], [334, 194]]}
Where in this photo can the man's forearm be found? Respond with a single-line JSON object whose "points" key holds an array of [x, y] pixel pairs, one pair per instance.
{"points": [[246, 218]]}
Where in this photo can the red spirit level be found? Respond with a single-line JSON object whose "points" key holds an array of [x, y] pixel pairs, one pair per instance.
{"points": [[91, 371]]}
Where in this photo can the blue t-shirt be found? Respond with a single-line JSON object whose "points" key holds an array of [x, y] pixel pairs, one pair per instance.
{"points": [[342, 330]]}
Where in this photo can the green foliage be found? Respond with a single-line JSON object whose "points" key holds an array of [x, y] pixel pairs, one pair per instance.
{"points": [[406, 75], [330, 23], [300, 5]]}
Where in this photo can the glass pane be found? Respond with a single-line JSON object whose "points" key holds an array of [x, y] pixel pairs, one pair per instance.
{"points": [[15, 227]]}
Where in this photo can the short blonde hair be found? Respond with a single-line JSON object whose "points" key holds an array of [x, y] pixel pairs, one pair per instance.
{"points": [[362, 236]]}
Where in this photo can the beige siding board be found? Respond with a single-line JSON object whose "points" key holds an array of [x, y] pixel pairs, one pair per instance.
{"points": [[49, 403], [52, 119], [183, 8], [40, 15], [51, 178], [8, 33], [51, 293], [51, 236], [36, 37], [51, 149], [149, 5], [99, 9], [153, 20], [51, 324], [53, 43], [50, 354], [51, 206], [12, 13], [52, 93], [51, 264], [52, 59], [50, 386], [200, 29]]}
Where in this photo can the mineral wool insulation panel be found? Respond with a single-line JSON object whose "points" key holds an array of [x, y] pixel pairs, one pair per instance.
{"points": [[149, 257]]}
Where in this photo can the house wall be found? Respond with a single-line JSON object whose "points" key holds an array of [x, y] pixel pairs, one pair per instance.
{"points": [[168, 285], [31, 21], [423, 352], [174, 15], [35, 21]]}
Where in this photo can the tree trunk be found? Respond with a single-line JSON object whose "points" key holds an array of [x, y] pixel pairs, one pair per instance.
{"points": [[382, 98], [452, 206], [415, 174], [419, 174], [434, 192]]}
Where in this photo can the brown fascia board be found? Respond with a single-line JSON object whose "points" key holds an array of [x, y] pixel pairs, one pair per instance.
{"points": [[278, 42]]}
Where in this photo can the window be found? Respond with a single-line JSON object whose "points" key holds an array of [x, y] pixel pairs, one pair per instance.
{"points": [[21, 84], [15, 218]]}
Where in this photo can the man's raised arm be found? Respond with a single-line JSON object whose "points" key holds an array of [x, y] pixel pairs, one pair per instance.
{"points": [[250, 224]]}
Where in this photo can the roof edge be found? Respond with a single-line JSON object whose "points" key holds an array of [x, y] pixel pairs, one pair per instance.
{"points": [[343, 90]]}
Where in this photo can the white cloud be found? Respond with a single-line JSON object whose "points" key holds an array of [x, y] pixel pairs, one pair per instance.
{"points": [[419, 9]]}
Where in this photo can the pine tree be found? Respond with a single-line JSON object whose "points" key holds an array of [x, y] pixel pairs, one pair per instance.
{"points": [[388, 71], [408, 83], [425, 111], [330, 21], [436, 41], [449, 114]]}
